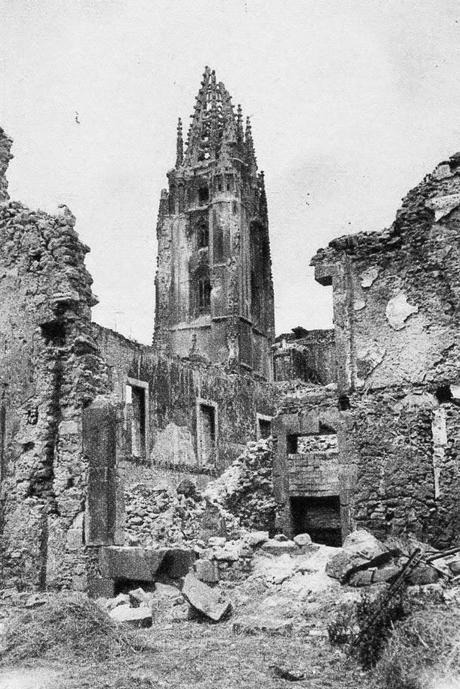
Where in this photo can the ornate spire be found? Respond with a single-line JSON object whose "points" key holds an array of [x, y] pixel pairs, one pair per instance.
{"points": [[239, 126], [179, 144], [213, 126], [262, 195], [250, 145]]}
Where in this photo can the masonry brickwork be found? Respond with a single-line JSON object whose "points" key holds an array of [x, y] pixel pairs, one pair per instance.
{"points": [[101, 437]]}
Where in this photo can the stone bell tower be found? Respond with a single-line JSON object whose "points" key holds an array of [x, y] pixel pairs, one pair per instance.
{"points": [[214, 290]]}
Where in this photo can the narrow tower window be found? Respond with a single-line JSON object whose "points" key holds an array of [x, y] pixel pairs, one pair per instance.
{"points": [[203, 236], [203, 195], [204, 293]]}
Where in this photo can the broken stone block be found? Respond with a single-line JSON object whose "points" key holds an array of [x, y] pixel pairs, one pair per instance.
{"points": [[134, 564], [364, 577], [423, 574], [302, 539], [254, 625], [454, 567], [255, 538], [216, 541], [207, 571], [139, 597], [279, 547], [135, 617], [166, 591], [386, 573], [343, 564], [230, 552], [206, 600], [121, 599], [363, 543], [35, 601]]}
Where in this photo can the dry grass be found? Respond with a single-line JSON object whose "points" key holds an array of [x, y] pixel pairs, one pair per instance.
{"points": [[423, 652], [188, 655], [66, 625]]}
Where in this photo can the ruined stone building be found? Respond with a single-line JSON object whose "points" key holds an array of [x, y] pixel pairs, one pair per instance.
{"points": [[383, 446], [90, 419], [364, 417]]}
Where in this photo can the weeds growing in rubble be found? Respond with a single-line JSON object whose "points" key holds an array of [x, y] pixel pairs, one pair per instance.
{"points": [[366, 626]]}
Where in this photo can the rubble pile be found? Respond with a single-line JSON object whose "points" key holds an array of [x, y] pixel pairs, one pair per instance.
{"points": [[363, 560], [240, 499], [161, 515], [246, 488]]}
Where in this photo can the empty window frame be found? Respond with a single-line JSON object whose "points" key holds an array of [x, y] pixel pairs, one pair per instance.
{"points": [[207, 430], [203, 236], [324, 441], [203, 195], [137, 406], [203, 293], [263, 426]]}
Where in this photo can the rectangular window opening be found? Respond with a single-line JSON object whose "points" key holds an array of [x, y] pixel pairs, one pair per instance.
{"points": [[207, 433], [264, 426], [203, 195], [136, 403], [316, 442]]}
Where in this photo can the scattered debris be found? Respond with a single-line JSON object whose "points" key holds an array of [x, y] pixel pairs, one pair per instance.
{"points": [[134, 616], [207, 601]]}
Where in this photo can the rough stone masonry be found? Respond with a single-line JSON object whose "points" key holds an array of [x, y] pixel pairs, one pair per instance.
{"points": [[98, 433]]}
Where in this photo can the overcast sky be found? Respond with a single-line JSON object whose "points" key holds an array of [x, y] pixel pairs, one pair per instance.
{"points": [[352, 104]]}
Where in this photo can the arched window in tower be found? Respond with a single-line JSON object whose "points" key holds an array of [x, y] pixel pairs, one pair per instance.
{"points": [[201, 290]]}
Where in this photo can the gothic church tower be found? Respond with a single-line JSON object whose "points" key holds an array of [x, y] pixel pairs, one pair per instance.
{"points": [[214, 290]]}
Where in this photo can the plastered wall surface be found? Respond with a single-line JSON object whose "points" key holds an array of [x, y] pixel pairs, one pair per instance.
{"points": [[396, 318]]}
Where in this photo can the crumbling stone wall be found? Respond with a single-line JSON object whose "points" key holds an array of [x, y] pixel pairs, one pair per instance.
{"points": [[246, 488], [49, 369], [308, 355], [5, 157], [175, 386], [175, 390], [396, 316]]}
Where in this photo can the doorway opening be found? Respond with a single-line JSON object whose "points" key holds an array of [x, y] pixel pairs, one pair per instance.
{"points": [[317, 516]]}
